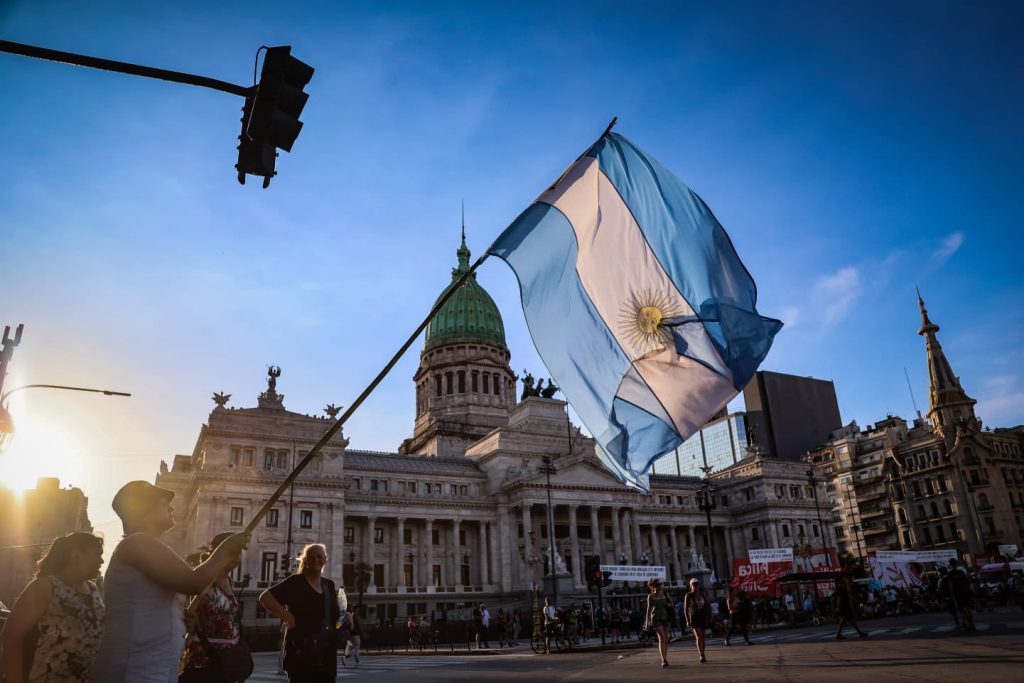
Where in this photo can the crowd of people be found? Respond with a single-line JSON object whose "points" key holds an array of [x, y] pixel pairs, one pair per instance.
{"points": [[64, 629]]}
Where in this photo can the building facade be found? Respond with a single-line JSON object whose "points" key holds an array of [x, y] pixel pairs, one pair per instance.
{"points": [[28, 524], [460, 512], [789, 415], [940, 482], [720, 443]]}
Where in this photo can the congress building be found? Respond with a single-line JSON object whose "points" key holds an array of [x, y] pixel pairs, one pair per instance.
{"points": [[459, 512]]}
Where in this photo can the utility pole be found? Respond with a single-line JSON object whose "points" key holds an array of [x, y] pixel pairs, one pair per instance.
{"points": [[812, 480], [548, 469], [706, 504]]}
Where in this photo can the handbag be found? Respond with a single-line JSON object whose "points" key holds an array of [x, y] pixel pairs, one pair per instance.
{"points": [[233, 662]]}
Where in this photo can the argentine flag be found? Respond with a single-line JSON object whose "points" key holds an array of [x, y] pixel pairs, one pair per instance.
{"points": [[636, 301]]}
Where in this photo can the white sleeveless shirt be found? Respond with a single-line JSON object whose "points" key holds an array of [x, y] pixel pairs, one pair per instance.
{"points": [[144, 631]]}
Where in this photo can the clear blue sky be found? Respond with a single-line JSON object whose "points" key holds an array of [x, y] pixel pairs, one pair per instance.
{"points": [[850, 149]]}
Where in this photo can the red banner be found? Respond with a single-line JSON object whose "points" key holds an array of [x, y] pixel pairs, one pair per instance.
{"points": [[758, 578]]}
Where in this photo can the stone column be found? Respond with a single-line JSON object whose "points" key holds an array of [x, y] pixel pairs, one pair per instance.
{"points": [[371, 525], [506, 546], [456, 556], [428, 554], [638, 547], [616, 534], [673, 548], [338, 548], [691, 544], [527, 528], [770, 537], [574, 546], [627, 535], [484, 553], [400, 552], [655, 550], [596, 534]]}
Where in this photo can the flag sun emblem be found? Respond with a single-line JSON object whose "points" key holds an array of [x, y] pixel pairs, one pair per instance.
{"points": [[643, 318]]}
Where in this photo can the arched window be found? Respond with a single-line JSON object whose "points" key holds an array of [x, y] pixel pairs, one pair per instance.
{"points": [[437, 385], [497, 385], [487, 383], [475, 381], [983, 501], [949, 508], [935, 509], [903, 516], [448, 383], [920, 513], [462, 381]]}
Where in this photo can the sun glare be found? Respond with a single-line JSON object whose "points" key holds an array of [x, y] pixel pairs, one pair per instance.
{"points": [[38, 449]]}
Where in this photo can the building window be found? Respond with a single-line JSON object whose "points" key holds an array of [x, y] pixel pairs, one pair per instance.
{"points": [[357, 483], [454, 489], [497, 386], [236, 456], [407, 539], [607, 532], [487, 383], [448, 388], [437, 385], [463, 489], [427, 488], [817, 531], [785, 530], [755, 533], [282, 460], [268, 567], [411, 487], [237, 515], [268, 459], [475, 381], [435, 537], [272, 517], [350, 534], [462, 381], [378, 534], [305, 519]]}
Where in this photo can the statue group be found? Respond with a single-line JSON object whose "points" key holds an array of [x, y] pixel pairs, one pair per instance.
{"points": [[537, 390]]}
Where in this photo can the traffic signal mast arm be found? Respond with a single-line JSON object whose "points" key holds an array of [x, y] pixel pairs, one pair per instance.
{"points": [[124, 68]]}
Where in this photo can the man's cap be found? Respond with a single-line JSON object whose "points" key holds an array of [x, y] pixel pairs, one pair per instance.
{"points": [[694, 581], [139, 497]]}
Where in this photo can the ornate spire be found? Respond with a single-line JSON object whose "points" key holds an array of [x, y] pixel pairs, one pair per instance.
{"points": [[949, 403], [463, 251]]}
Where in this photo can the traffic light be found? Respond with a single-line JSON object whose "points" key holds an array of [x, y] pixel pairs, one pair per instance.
{"points": [[285, 562], [270, 119], [607, 579], [592, 570]]}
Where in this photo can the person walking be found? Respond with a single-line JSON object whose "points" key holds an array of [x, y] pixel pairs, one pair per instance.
{"points": [[615, 620], [308, 603], [658, 608], [741, 611], [485, 620], [960, 592], [145, 587], [516, 626], [355, 637], [846, 609], [214, 650], [550, 623], [697, 607], [63, 609]]}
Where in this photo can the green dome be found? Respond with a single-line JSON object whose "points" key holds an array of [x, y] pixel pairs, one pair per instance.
{"points": [[470, 315]]}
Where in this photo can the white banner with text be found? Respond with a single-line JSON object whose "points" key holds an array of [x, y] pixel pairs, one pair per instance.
{"points": [[634, 572]]}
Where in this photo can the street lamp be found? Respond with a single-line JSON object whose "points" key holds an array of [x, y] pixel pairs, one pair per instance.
{"points": [[7, 422], [533, 560], [548, 469], [706, 504], [812, 480]]}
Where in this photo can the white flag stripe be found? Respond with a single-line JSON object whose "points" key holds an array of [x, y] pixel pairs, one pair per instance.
{"points": [[615, 266]]}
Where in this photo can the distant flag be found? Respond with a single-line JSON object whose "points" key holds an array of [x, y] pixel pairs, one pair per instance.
{"points": [[637, 302]]}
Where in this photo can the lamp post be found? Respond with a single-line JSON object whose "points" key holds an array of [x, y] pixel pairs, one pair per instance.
{"points": [[548, 469], [706, 504], [812, 480], [534, 560]]}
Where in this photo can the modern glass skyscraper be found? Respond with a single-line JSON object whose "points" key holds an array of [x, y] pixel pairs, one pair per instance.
{"points": [[717, 445]]}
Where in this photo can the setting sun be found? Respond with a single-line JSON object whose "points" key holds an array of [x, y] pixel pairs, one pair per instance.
{"points": [[39, 449]]}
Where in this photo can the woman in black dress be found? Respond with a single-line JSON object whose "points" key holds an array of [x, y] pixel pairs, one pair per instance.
{"points": [[308, 604], [697, 606]]}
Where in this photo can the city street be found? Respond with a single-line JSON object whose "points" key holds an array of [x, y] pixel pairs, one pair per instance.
{"points": [[906, 648]]}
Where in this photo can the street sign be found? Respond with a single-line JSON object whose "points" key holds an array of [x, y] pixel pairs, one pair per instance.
{"points": [[634, 572]]}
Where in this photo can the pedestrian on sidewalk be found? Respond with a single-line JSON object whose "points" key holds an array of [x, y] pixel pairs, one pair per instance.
{"points": [[846, 609], [698, 615], [658, 608], [55, 627], [485, 621], [355, 637], [550, 623], [960, 591], [741, 611], [308, 603], [615, 621]]}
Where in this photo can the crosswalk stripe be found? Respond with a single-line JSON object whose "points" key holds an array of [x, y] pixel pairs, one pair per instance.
{"points": [[941, 629], [913, 629]]}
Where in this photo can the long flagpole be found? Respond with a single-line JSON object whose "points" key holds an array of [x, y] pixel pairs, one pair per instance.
{"points": [[329, 434]]}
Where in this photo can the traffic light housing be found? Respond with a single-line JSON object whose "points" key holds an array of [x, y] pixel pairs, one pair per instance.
{"points": [[285, 562], [606, 579], [592, 570], [270, 118]]}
